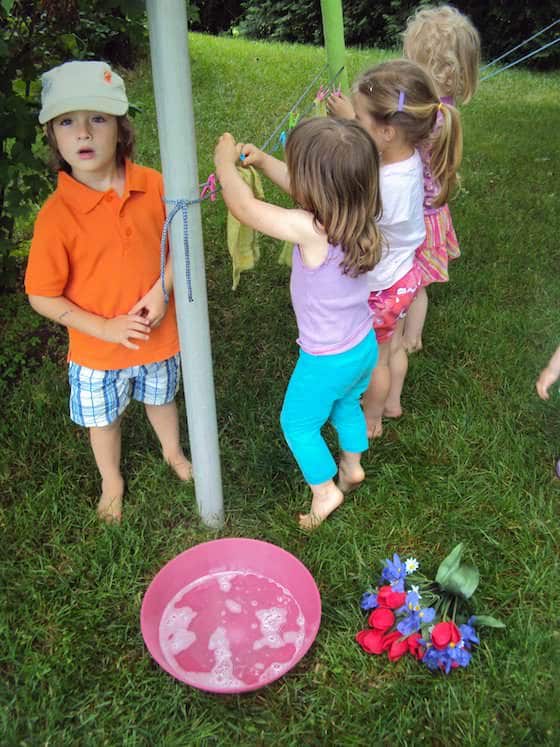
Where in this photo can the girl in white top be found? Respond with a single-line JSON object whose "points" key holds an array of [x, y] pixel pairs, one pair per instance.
{"points": [[396, 102]]}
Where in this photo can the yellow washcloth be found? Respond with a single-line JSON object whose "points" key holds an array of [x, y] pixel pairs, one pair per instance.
{"points": [[243, 241]]}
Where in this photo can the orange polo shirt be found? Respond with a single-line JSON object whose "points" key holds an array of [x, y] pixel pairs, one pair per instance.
{"points": [[102, 252]]}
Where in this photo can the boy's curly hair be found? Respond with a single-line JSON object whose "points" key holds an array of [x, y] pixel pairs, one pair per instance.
{"points": [[445, 42]]}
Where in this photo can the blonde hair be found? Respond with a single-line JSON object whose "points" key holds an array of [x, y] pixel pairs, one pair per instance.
{"points": [[446, 43], [125, 144], [400, 93], [333, 166]]}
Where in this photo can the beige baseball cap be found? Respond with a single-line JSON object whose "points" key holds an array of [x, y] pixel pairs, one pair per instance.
{"points": [[82, 86]]}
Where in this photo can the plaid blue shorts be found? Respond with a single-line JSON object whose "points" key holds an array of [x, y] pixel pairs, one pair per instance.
{"points": [[98, 398]]}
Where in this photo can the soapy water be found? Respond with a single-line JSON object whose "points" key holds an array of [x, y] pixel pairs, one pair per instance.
{"points": [[231, 630]]}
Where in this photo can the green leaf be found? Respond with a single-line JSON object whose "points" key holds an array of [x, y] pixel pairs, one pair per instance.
{"points": [[462, 581], [449, 564], [487, 621], [7, 5]]}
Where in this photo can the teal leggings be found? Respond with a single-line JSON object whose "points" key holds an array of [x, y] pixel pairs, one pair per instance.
{"points": [[322, 388]]}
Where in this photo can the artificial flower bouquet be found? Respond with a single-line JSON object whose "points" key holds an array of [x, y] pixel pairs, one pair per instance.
{"points": [[431, 620]]}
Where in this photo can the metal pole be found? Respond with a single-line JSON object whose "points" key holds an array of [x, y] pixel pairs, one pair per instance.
{"points": [[333, 31], [173, 95]]}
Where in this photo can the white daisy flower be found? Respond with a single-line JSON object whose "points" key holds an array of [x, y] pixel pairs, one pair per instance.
{"points": [[411, 565]]}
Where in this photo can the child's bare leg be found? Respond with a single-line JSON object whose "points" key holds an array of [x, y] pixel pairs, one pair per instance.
{"points": [[165, 422], [398, 365], [327, 497], [414, 323], [377, 392], [106, 446], [350, 471]]}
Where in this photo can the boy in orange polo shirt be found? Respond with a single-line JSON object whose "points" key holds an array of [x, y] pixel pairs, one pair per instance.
{"points": [[94, 267]]}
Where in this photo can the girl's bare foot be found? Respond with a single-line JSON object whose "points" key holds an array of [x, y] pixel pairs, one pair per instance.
{"points": [[181, 466], [322, 505], [109, 508], [412, 345], [392, 412], [349, 478], [374, 428]]}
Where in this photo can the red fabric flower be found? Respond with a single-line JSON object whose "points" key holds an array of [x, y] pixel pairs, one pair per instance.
{"points": [[390, 638], [398, 648], [370, 641], [414, 646], [445, 633], [387, 597], [381, 619]]}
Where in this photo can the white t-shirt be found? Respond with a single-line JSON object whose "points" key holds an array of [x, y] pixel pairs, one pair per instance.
{"points": [[402, 221]]}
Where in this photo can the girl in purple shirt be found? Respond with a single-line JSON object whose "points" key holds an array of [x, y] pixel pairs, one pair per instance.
{"points": [[446, 44], [332, 172]]}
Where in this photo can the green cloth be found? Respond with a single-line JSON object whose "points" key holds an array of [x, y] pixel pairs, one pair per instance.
{"points": [[243, 241]]}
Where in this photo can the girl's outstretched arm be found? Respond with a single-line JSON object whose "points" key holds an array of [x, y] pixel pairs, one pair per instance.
{"points": [[549, 376], [290, 225], [273, 168]]}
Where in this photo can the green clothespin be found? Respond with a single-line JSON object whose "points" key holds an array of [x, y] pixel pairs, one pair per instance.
{"points": [[293, 120]]}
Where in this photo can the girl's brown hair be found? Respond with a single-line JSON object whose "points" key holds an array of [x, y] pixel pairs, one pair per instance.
{"points": [[445, 42], [333, 166], [125, 144], [402, 94]]}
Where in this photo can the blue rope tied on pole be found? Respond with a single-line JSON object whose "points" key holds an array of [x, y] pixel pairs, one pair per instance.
{"points": [[180, 204]]}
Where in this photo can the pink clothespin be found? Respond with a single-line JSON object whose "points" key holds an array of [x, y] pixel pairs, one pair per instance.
{"points": [[337, 91], [210, 188], [322, 93]]}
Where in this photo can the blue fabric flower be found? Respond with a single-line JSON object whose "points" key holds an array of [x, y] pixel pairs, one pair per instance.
{"points": [[369, 601], [394, 572], [415, 619], [444, 659], [468, 634]]}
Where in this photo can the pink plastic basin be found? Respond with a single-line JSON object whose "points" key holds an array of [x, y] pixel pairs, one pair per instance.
{"points": [[231, 615]]}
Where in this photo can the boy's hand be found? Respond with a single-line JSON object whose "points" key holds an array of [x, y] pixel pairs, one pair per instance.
{"points": [[121, 328], [151, 307], [227, 151], [252, 155], [339, 105]]}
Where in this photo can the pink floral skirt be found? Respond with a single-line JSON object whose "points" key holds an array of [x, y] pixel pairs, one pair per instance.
{"points": [[439, 247]]}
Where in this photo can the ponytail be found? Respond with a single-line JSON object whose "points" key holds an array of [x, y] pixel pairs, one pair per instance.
{"points": [[447, 151]]}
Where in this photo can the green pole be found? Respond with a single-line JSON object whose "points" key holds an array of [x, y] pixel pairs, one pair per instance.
{"points": [[333, 31]]}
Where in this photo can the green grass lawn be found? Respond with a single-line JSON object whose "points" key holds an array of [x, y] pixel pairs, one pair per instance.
{"points": [[471, 461]]}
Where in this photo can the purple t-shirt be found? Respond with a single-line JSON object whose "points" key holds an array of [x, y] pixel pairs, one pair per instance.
{"points": [[431, 186], [331, 308]]}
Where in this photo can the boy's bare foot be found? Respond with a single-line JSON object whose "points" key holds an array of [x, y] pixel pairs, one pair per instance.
{"points": [[349, 478], [321, 507], [181, 466], [109, 508]]}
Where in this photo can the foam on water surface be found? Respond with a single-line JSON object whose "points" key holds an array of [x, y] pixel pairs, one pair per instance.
{"points": [[231, 629]]}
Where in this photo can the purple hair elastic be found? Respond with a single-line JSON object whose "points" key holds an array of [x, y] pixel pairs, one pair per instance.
{"points": [[401, 101]]}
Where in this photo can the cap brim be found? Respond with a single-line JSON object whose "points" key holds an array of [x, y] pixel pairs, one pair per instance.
{"points": [[77, 103]]}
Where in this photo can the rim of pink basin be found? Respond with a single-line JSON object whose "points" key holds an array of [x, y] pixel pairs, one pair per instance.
{"points": [[222, 555]]}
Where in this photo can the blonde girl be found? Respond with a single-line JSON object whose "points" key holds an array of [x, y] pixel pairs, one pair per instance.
{"points": [[331, 171], [446, 44], [397, 104]]}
